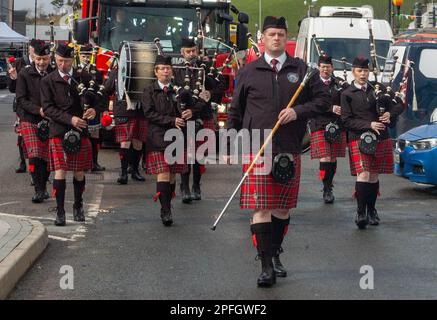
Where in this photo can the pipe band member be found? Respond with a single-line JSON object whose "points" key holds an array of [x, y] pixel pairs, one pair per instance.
{"points": [[130, 131], [86, 52], [328, 151], [264, 88], [28, 88], [360, 115], [162, 112], [13, 72], [213, 92], [62, 104]]}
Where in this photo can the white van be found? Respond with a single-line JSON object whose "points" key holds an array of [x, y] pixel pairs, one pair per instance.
{"points": [[343, 32]]}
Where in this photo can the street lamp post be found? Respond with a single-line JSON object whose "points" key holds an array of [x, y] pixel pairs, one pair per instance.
{"points": [[389, 13], [34, 31], [260, 16]]}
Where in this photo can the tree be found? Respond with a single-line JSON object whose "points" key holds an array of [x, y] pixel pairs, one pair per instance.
{"points": [[60, 3], [57, 3]]}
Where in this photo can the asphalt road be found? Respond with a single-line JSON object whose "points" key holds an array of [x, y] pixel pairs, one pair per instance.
{"points": [[124, 252]]}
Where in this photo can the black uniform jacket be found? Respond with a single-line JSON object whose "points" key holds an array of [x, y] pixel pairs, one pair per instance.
{"points": [[358, 111], [260, 95], [120, 106], [203, 110], [161, 110], [20, 64], [322, 120], [61, 101], [28, 94]]}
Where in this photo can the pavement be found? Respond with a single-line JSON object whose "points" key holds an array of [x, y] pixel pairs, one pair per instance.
{"points": [[21, 242], [22, 239]]}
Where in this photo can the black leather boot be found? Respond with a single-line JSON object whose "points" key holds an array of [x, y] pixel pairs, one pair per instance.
{"points": [[95, 148], [280, 270], [185, 188], [328, 195], [79, 188], [59, 187], [38, 197], [371, 202], [361, 220], [135, 162], [373, 217], [137, 176], [279, 230], [327, 172], [166, 217], [21, 168], [195, 192], [263, 235], [124, 160], [362, 194], [163, 189], [60, 217], [78, 212]]}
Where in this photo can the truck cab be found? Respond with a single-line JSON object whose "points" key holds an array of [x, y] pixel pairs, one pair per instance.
{"points": [[343, 32]]}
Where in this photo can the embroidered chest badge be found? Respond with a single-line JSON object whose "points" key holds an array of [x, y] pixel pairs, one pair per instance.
{"points": [[292, 77]]}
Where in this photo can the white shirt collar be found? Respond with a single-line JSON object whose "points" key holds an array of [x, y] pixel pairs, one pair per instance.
{"points": [[39, 71], [70, 74], [360, 86], [281, 60], [161, 85], [324, 80]]}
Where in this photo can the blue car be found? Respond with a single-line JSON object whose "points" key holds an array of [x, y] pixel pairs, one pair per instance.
{"points": [[416, 154]]}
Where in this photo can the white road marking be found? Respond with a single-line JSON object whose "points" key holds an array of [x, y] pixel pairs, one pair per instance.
{"points": [[81, 229], [8, 203], [60, 238]]}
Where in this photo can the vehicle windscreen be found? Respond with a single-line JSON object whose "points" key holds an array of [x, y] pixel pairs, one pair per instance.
{"points": [[170, 25], [350, 49]]}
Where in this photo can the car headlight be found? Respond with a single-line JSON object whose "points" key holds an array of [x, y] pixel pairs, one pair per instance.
{"points": [[424, 144]]}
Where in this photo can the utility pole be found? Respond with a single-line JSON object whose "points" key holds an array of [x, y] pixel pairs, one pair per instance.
{"points": [[36, 5], [390, 20]]}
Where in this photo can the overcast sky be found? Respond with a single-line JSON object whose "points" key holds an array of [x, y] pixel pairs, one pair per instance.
{"points": [[27, 4]]}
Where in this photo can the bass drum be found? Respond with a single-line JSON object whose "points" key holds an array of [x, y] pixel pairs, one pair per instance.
{"points": [[135, 68]]}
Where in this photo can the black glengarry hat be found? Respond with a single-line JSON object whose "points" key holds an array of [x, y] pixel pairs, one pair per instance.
{"points": [[41, 48], [86, 49], [65, 51], [325, 59], [361, 62], [33, 42], [163, 60], [188, 43], [274, 22]]}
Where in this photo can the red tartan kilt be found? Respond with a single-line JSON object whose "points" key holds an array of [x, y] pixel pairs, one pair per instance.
{"points": [[22, 145], [261, 192], [34, 147], [156, 164], [135, 128], [381, 162], [81, 161], [320, 148], [207, 124]]}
